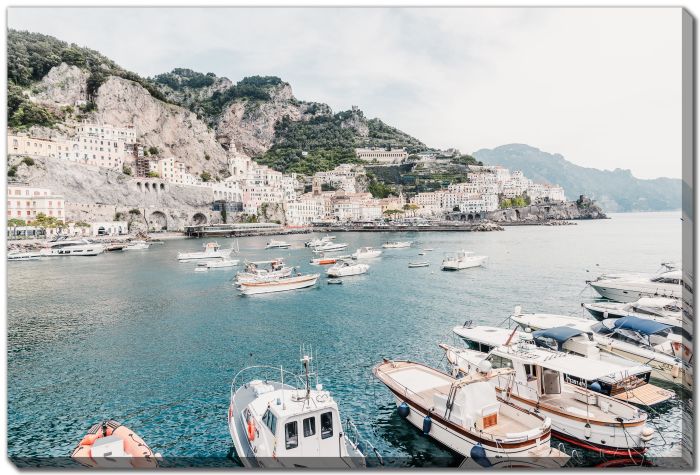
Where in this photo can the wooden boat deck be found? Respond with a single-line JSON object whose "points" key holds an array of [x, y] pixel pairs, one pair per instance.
{"points": [[647, 395]]}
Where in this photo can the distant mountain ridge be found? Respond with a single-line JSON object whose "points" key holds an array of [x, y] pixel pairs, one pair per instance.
{"points": [[616, 191]]}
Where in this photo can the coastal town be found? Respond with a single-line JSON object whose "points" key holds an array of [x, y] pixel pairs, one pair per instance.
{"points": [[251, 192]]}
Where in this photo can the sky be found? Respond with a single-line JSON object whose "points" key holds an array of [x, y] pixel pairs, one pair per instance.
{"points": [[601, 86]]}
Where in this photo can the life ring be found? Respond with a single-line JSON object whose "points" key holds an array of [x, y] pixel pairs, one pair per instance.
{"points": [[676, 346], [251, 430]]}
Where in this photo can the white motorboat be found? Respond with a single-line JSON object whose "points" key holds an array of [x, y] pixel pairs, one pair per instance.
{"points": [[428, 249], [24, 256], [281, 284], [319, 241], [466, 416], [366, 253], [346, 269], [330, 247], [72, 247], [636, 339], [274, 244], [632, 287], [659, 309], [579, 415], [281, 424], [254, 273], [412, 265], [396, 244], [137, 246], [222, 263], [462, 260], [212, 250]]}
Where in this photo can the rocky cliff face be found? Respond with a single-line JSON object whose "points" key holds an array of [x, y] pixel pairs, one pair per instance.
{"points": [[249, 125], [64, 85], [585, 209]]}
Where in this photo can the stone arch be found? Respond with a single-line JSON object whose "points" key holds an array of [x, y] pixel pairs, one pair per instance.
{"points": [[162, 186], [101, 231], [199, 218], [157, 221], [139, 186], [470, 217], [147, 186]]}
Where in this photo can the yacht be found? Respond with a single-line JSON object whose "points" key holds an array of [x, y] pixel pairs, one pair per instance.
{"points": [[282, 424], [137, 246], [579, 415], [330, 247], [212, 250], [396, 244], [274, 244], [660, 309], [73, 247], [282, 284], [366, 253], [636, 339], [346, 269], [631, 287], [466, 416], [24, 256], [462, 260]]}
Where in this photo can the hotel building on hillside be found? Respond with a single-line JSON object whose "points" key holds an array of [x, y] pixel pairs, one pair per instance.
{"points": [[381, 155], [26, 202]]}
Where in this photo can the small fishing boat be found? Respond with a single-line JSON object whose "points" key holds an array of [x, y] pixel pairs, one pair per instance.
{"points": [[466, 416], [212, 250], [323, 261], [346, 269], [462, 260], [137, 246], [109, 445], [222, 263], [428, 249], [286, 424], [282, 284], [330, 247], [366, 253], [334, 281], [274, 244], [116, 246], [418, 264], [396, 244]]}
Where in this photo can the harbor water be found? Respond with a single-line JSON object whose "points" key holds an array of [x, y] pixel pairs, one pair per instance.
{"points": [[143, 339]]}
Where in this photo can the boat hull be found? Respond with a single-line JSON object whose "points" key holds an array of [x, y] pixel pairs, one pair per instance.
{"points": [[628, 294], [255, 288], [84, 250], [465, 264]]}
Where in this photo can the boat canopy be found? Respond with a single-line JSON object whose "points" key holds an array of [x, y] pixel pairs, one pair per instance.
{"points": [[640, 325], [559, 334], [585, 368]]}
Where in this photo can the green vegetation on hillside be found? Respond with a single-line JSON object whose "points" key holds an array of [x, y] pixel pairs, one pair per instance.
{"points": [[181, 78], [30, 56], [382, 135]]}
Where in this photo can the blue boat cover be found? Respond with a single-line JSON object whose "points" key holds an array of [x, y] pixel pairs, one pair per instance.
{"points": [[640, 325], [560, 334]]}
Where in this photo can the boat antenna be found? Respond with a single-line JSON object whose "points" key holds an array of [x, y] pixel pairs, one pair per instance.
{"points": [[305, 361]]}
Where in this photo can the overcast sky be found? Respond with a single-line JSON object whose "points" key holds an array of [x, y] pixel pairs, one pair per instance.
{"points": [[600, 86]]}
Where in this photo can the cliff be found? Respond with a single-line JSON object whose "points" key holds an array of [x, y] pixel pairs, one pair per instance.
{"points": [[583, 208]]}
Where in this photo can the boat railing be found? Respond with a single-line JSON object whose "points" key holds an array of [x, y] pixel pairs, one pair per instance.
{"points": [[352, 434], [235, 384]]}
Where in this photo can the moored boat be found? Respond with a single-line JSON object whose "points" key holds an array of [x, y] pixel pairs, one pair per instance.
{"points": [[222, 263], [275, 424], [212, 250], [72, 247], [396, 244], [281, 284], [462, 260], [330, 247], [346, 269], [632, 287], [418, 264], [137, 246], [24, 256], [274, 244], [466, 416], [579, 415], [109, 444], [366, 253]]}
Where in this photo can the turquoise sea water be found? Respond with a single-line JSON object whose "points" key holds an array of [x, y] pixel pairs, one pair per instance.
{"points": [[141, 338]]}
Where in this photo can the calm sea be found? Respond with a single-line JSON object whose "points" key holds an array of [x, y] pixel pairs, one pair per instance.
{"points": [[141, 338]]}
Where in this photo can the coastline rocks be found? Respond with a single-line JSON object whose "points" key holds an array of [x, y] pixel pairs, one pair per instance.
{"points": [[584, 208]]}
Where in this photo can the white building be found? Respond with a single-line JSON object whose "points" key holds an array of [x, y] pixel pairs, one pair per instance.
{"points": [[26, 203], [381, 155]]}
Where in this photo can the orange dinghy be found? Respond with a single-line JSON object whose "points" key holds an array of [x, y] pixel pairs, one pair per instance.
{"points": [[109, 444]]}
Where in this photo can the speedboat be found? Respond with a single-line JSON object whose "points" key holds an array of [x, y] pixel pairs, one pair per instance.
{"points": [[319, 241], [411, 265], [212, 250], [579, 415], [283, 424], [659, 309], [281, 284], [462, 260], [222, 263], [366, 253], [466, 416], [137, 246], [111, 445], [323, 261], [396, 244], [73, 247], [273, 244], [330, 247], [345, 269], [632, 287], [636, 339], [24, 256], [254, 273]]}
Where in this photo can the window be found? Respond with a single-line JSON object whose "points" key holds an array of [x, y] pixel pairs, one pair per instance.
{"points": [[309, 426], [291, 435], [270, 420], [499, 362], [326, 425]]}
